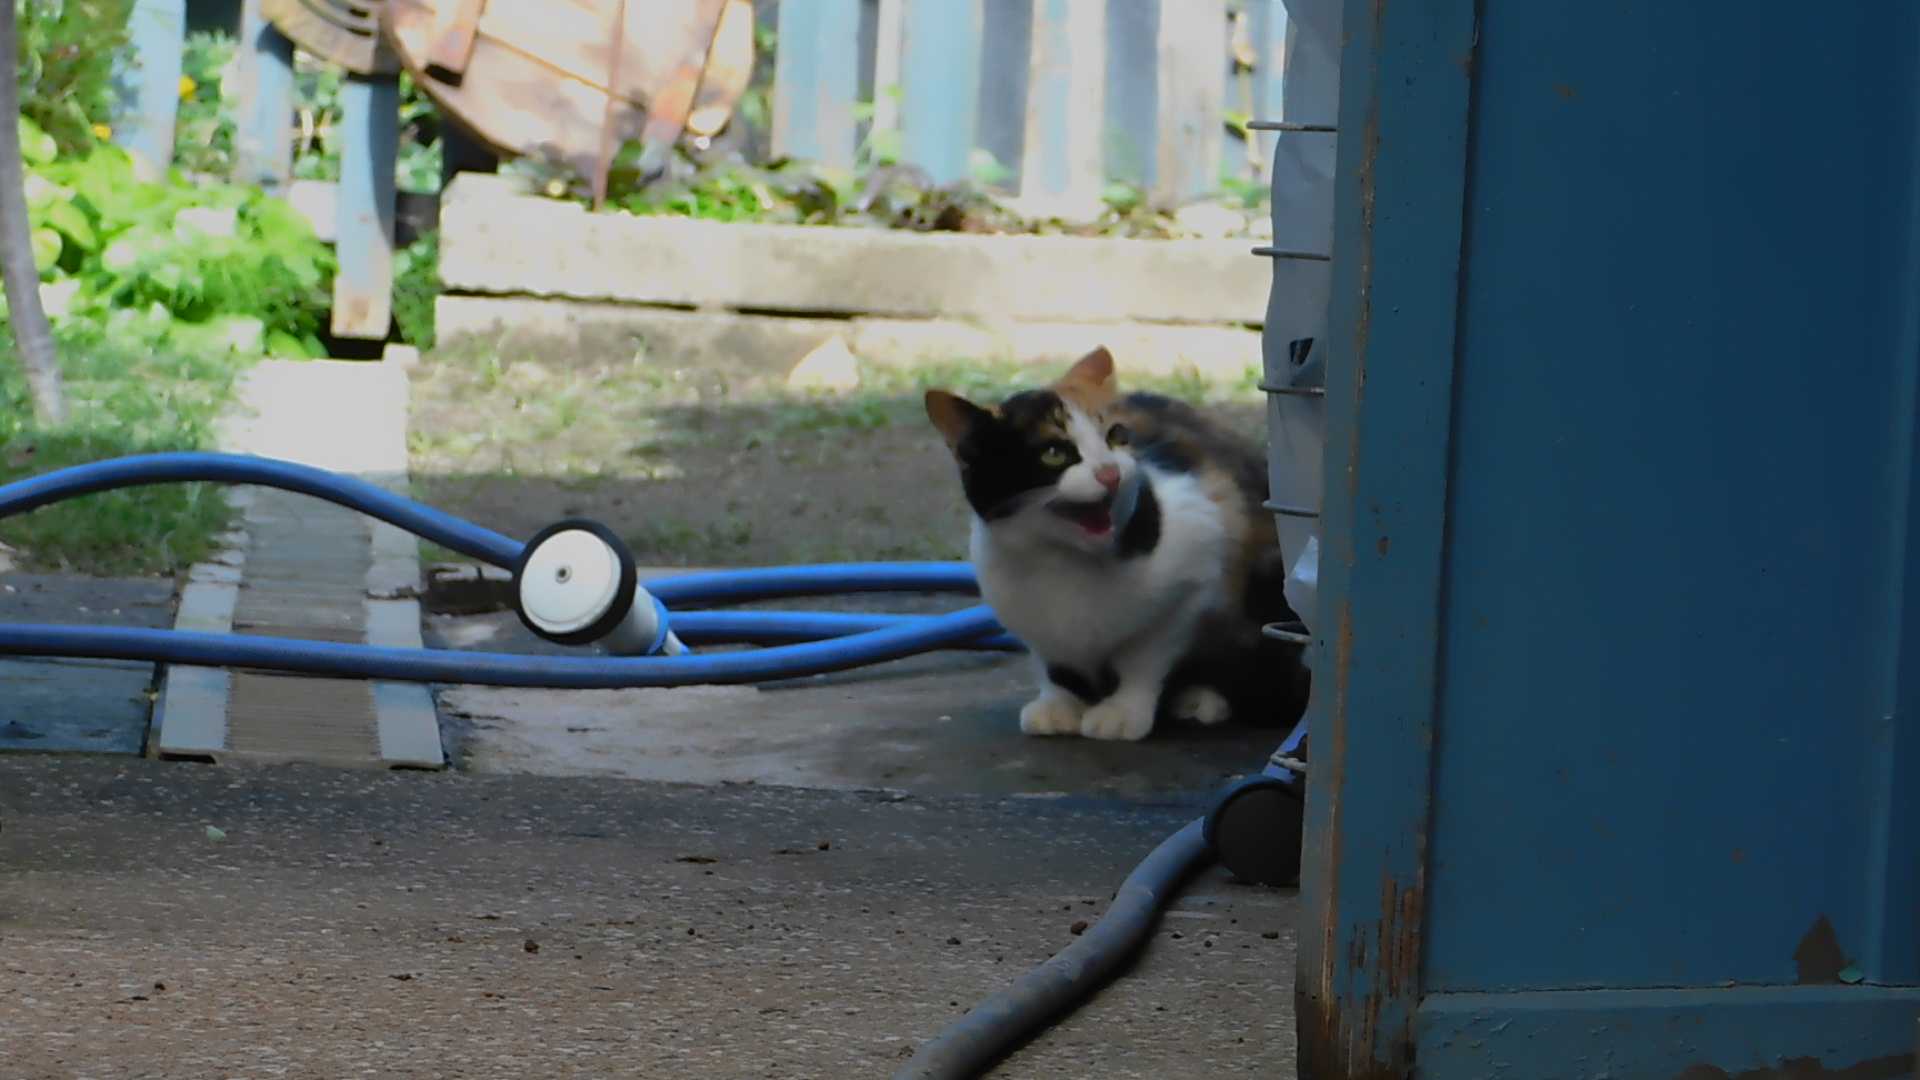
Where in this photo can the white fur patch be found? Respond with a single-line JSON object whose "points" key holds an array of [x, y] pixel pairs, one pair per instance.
{"points": [[1088, 608], [1052, 713], [1201, 705]]}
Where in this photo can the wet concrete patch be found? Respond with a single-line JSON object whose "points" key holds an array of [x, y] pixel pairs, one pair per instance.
{"points": [[83, 706], [941, 724]]}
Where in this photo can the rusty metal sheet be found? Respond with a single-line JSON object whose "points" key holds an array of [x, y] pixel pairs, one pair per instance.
{"points": [[539, 77], [343, 32]]}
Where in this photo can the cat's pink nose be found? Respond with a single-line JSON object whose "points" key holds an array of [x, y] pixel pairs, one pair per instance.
{"points": [[1108, 475]]}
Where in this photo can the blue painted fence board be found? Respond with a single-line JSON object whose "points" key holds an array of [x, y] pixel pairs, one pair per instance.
{"points": [[816, 80], [149, 87], [1269, 19], [1132, 97], [940, 83], [1064, 166], [1007, 29], [263, 130]]}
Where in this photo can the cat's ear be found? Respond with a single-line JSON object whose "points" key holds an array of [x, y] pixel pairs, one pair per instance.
{"points": [[1094, 369], [953, 415]]}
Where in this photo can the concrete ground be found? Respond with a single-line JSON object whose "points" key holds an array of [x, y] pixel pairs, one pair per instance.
{"points": [[354, 923], [662, 851], [943, 723]]}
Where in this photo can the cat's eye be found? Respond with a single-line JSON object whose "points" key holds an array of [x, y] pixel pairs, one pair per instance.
{"points": [[1055, 455], [1118, 435]]}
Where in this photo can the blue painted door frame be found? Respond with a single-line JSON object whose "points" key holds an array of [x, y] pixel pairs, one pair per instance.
{"points": [[1614, 755]]}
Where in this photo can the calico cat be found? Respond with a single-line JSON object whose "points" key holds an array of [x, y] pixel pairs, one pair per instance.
{"points": [[1121, 538]]}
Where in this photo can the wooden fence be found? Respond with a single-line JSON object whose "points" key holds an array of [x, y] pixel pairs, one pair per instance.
{"points": [[1066, 95]]}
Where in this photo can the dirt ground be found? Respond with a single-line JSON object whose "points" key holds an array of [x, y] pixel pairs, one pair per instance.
{"points": [[715, 466]]}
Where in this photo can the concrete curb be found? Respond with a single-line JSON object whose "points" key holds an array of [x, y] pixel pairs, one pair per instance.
{"points": [[495, 240]]}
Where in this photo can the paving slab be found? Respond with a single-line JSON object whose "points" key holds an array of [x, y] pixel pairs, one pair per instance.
{"points": [[361, 923], [79, 706], [303, 568]]}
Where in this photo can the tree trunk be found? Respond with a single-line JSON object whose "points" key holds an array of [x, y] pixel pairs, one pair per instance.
{"points": [[32, 337]]}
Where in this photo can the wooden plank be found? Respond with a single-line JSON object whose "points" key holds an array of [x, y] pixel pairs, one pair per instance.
{"points": [[1127, 133], [887, 43], [816, 81], [150, 91], [455, 23], [1376, 657], [369, 144], [1063, 168], [263, 136], [940, 85], [1006, 53], [668, 110], [1190, 101], [1269, 19]]}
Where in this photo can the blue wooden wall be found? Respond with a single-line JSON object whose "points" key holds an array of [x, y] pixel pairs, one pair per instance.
{"points": [[1614, 725]]}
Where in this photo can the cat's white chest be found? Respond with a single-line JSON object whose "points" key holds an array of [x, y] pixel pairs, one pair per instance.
{"points": [[1074, 609]]}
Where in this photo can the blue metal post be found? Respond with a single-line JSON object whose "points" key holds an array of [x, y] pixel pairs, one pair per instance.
{"points": [[816, 80], [150, 89], [263, 136], [369, 143], [940, 77]]}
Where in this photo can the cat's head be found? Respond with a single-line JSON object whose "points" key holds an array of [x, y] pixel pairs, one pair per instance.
{"points": [[1053, 462]]}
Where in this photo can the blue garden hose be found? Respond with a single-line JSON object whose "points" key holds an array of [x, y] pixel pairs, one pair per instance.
{"points": [[804, 643]]}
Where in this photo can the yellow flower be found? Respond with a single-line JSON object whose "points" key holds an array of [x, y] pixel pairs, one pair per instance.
{"points": [[187, 86], [102, 131]]}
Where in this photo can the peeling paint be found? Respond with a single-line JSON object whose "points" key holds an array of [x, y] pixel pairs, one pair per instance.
{"points": [[1819, 957]]}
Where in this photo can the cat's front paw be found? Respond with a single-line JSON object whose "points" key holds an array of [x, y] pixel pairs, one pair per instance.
{"points": [[1117, 718], [1050, 714], [1201, 705]]}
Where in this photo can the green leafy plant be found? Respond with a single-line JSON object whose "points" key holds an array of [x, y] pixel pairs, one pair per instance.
{"points": [[416, 285], [69, 50], [319, 111], [198, 267], [203, 130]]}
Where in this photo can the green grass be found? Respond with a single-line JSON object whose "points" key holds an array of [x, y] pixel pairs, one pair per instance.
{"points": [[121, 400]]}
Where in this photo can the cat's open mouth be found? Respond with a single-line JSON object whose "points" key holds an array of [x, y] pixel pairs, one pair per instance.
{"points": [[1094, 518]]}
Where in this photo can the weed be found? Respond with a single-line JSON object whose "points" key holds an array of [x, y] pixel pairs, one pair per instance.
{"points": [[124, 400]]}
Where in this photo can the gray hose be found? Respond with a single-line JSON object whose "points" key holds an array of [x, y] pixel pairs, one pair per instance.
{"points": [[973, 1043]]}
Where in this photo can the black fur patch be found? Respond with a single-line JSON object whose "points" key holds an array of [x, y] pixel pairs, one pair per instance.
{"points": [[1141, 534], [1000, 456], [1263, 680], [1090, 690], [1173, 436]]}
